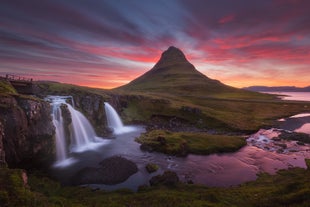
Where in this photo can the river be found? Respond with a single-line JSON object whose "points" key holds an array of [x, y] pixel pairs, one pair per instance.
{"points": [[226, 169]]}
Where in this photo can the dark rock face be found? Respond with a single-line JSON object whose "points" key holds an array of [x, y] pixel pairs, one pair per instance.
{"points": [[169, 178], [2, 153], [27, 132], [112, 170], [92, 106]]}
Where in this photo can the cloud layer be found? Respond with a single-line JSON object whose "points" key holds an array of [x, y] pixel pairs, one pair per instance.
{"points": [[108, 43]]}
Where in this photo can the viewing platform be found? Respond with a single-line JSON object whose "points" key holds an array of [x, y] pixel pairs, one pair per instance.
{"points": [[21, 84]]}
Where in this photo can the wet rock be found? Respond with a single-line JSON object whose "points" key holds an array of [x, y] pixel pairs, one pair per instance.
{"points": [[169, 178], [111, 171], [161, 140], [146, 147], [300, 143], [151, 167]]}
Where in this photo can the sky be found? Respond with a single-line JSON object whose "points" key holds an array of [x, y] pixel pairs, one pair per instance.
{"points": [[108, 43]]}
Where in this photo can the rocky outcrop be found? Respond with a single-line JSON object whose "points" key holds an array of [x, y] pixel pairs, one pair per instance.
{"points": [[169, 178], [112, 170], [2, 153], [92, 106], [26, 131]]}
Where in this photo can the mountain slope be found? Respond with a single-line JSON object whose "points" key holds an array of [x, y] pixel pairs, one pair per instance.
{"points": [[174, 75]]}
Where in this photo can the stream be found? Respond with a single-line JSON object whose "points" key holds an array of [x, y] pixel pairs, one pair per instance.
{"points": [[261, 154]]}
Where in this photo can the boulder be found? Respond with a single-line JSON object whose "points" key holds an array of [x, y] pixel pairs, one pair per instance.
{"points": [[169, 178], [151, 167], [112, 170]]}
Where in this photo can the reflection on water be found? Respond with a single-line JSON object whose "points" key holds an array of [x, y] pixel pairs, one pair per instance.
{"points": [[299, 96], [294, 96], [304, 128], [213, 170]]}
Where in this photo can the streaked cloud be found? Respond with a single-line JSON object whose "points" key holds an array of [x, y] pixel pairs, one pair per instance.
{"points": [[108, 43]]}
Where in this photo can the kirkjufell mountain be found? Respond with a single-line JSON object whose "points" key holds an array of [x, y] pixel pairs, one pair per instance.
{"points": [[173, 73]]}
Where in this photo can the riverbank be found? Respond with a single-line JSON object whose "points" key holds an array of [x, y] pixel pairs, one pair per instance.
{"points": [[286, 188]]}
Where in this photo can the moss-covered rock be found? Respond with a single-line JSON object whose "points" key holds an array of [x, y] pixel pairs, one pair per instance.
{"points": [[182, 143], [169, 178], [151, 167]]}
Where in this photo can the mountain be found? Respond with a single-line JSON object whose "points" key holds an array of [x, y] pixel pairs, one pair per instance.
{"points": [[278, 89], [173, 73]]}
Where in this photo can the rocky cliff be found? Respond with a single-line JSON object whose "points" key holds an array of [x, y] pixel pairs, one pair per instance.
{"points": [[89, 101], [26, 132]]}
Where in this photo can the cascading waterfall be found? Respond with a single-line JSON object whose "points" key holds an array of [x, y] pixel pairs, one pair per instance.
{"points": [[114, 121], [61, 153], [83, 136]]}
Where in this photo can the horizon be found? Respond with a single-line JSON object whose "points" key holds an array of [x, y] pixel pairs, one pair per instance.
{"points": [[107, 44]]}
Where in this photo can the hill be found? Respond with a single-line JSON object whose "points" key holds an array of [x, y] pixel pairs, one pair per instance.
{"points": [[174, 74], [174, 95]]}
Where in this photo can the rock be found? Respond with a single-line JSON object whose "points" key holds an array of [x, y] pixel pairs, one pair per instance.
{"points": [[2, 153], [112, 170], [146, 147], [27, 132], [169, 178], [161, 140], [151, 167]]}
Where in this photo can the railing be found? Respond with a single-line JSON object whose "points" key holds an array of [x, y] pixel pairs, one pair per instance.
{"points": [[11, 77]]}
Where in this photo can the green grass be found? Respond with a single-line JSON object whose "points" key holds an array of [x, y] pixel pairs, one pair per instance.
{"points": [[287, 188], [182, 143], [6, 87], [222, 114], [55, 88]]}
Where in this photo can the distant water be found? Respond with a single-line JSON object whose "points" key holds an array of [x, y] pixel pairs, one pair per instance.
{"points": [[293, 96]]}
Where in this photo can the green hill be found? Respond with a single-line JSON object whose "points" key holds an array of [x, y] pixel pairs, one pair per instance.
{"points": [[174, 90], [174, 74]]}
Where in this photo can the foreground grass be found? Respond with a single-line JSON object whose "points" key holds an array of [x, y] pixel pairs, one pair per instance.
{"points": [[286, 188], [182, 143]]}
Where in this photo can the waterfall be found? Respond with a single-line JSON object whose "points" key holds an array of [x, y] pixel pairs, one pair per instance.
{"points": [[83, 136], [61, 153], [114, 121]]}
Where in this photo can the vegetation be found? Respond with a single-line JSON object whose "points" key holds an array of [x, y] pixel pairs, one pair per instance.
{"points": [[286, 188], [151, 167], [182, 143], [6, 87], [300, 137], [55, 88]]}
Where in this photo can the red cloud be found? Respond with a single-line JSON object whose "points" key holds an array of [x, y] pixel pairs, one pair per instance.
{"points": [[226, 19]]}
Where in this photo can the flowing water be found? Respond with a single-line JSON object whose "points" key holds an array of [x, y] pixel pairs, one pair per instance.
{"points": [[82, 135], [224, 169], [114, 121]]}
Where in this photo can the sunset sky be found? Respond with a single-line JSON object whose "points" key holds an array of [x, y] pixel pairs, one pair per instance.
{"points": [[107, 43]]}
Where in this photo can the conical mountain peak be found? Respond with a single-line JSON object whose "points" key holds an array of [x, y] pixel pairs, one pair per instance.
{"points": [[174, 74], [171, 56]]}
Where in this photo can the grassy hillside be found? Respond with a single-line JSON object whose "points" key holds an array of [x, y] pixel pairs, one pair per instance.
{"points": [[174, 89], [6, 87]]}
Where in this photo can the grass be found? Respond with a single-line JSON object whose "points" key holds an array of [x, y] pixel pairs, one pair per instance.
{"points": [[286, 188], [6, 87], [182, 143]]}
